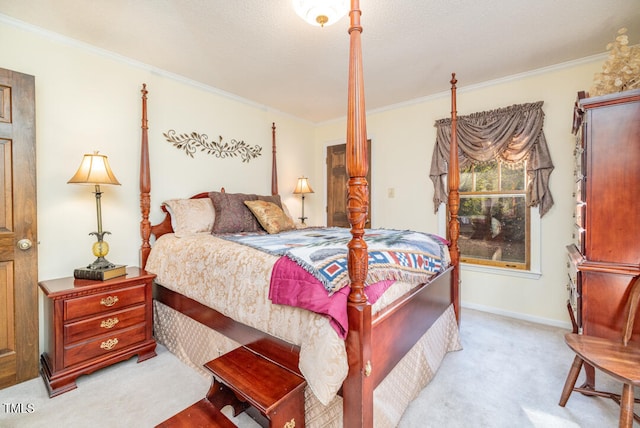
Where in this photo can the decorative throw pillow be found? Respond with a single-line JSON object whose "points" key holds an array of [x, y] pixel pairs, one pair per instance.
{"points": [[232, 215], [191, 216], [270, 216]]}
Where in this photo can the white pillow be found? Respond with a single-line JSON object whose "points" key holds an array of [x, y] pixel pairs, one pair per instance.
{"points": [[191, 216]]}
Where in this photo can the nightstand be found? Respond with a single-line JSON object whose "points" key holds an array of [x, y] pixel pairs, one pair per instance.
{"points": [[93, 324]]}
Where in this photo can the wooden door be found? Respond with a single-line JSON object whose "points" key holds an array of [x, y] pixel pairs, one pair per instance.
{"points": [[337, 180], [18, 240]]}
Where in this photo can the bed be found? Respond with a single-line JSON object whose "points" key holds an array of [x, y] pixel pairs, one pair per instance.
{"points": [[389, 349]]}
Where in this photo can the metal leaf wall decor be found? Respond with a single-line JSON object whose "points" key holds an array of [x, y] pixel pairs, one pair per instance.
{"points": [[193, 142]]}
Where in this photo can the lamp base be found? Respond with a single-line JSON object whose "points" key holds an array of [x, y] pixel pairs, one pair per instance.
{"points": [[100, 264], [102, 273]]}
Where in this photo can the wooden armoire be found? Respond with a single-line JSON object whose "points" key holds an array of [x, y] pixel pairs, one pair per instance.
{"points": [[605, 255]]}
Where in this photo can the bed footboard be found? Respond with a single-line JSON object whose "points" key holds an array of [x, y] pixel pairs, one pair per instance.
{"points": [[399, 327]]}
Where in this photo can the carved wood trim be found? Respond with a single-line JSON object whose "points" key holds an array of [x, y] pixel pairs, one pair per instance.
{"points": [[145, 183], [357, 163], [453, 178], [358, 386]]}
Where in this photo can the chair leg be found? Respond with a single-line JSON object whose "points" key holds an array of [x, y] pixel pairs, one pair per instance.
{"points": [[572, 377], [626, 406]]}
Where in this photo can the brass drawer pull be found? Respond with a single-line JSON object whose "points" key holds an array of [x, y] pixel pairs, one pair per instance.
{"points": [[109, 322], [109, 344], [109, 301]]}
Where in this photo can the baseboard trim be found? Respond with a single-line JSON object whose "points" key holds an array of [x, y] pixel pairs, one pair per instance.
{"points": [[524, 317]]}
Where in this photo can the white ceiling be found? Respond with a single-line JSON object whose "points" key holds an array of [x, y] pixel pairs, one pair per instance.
{"points": [[262, 51]]}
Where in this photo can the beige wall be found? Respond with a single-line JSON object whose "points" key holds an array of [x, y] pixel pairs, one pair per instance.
{"points": [[87, 99]]}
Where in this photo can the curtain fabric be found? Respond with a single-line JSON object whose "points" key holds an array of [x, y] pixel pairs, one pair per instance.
{"points": [[509, 135]]}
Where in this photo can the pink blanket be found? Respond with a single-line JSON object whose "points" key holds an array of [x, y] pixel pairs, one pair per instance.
{"points": [[293, 286]]}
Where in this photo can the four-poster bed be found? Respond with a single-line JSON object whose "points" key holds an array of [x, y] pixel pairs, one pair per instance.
{"points": [[378, 338]]}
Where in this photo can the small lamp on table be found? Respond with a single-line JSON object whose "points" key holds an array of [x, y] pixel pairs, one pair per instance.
{"points": [[302, 188], [95, 170]]}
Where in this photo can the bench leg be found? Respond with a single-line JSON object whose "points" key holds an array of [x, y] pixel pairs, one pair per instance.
{"points": [[220, 395]]}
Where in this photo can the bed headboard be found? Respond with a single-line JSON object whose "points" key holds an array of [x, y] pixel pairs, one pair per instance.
{"points": [[146, 229], [165, 226]]}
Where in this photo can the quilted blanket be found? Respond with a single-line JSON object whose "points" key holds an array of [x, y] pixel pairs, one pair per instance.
{"points": [[393, 254]]}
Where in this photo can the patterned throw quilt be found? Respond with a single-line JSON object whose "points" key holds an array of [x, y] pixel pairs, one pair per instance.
{"points": [[393, 254]]}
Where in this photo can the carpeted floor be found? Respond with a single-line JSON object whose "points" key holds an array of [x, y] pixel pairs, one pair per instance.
{"points": [[510, 374]]}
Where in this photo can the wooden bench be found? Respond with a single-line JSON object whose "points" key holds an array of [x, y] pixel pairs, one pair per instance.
{"points": [[202, 414], [245, 379]]}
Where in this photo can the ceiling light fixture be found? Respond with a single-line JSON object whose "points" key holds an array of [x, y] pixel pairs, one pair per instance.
{"points": [[321, 12]]}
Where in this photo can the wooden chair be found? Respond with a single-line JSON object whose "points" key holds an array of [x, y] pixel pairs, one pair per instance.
{"points": [[619, 359]]}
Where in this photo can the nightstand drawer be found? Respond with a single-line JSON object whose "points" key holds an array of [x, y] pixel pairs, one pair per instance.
{"points": [[97, 326], [104, 345], [103, 302]]}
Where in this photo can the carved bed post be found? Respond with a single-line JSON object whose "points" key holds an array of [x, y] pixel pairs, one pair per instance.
{"points": [[145, 183], [358, 387], [357, 167], [274, 168], [453, 176]]}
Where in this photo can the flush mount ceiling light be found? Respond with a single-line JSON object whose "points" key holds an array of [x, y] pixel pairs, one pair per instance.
{"points": [[321, 12]]}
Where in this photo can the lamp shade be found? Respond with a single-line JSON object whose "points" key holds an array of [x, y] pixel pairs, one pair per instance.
{"points": [[302, 186], [321, 12], [94, 169]]}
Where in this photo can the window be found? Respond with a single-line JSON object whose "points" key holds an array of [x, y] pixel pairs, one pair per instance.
{"points": [[505, 193], [494, 215]]}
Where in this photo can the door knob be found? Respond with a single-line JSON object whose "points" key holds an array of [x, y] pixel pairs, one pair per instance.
{"points": [[24, 244]]}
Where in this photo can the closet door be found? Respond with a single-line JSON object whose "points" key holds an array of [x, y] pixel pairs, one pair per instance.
{"points": [[337, 181], [18, 240]]}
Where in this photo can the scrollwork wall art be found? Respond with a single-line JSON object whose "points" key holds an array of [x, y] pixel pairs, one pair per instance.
{"points": [[195, 141]]}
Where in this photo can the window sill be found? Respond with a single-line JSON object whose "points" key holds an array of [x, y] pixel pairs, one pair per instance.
{"points": [[528, 274]]}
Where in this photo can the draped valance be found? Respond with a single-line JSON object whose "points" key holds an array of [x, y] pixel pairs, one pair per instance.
{"points": [[509, 135]]}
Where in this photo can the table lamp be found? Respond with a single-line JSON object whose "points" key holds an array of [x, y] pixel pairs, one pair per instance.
{"points": [[302, 187], [95, 170]]}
